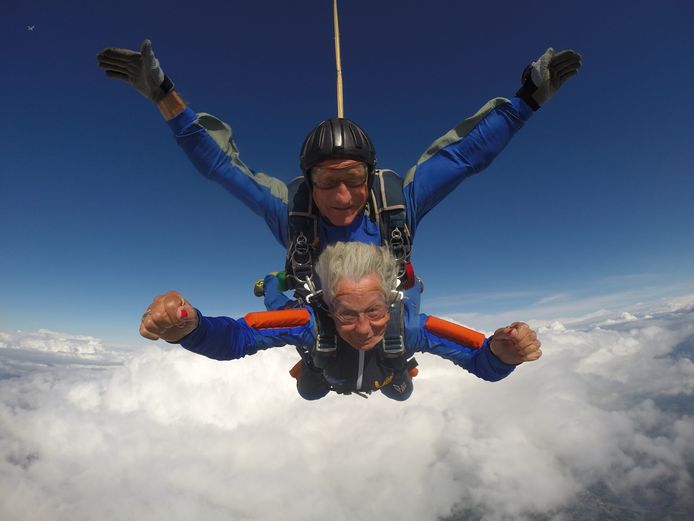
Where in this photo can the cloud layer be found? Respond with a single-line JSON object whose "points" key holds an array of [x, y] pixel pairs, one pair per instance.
{"points": [[604, 419]]}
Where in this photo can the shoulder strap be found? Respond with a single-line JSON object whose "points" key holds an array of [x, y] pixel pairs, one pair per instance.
{"points": [[392, 351], [393, 341], [303, 240], [389, 210], [325, 347]]}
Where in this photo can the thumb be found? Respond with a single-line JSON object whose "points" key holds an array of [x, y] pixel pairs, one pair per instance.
{"points": [[146, 47], [540, 70], [546, 57], [187, 315]]}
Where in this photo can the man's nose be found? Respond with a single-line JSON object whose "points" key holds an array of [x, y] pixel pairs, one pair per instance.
{"points": [[363, 326], [342, 193]]}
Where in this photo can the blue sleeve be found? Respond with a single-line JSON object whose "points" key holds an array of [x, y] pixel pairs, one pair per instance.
{"points": [[480, 362], [209, 144], [465, 150], [223, 338], [273, 297]]}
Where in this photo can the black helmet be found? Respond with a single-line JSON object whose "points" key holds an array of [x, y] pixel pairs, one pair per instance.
{"points": [[337, 138]]}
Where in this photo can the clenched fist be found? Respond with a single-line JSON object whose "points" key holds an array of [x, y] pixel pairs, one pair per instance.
{"points": [[516, 344], [169, 317]]}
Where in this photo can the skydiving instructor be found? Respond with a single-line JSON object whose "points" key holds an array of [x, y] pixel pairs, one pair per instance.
{"points": [[338, 159]]}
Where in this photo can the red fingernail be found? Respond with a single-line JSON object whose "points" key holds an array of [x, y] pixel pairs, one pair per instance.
{"points": [[184, 313]]}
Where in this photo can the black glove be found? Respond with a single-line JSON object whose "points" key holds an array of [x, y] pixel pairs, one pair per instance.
{"points": [[140, 69], [543, 78]]}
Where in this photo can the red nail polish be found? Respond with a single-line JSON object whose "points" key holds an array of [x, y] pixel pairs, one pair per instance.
{"points": [[184, 314]]}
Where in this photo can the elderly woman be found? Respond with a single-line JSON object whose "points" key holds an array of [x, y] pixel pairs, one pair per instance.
{"points": [[372, 333]]}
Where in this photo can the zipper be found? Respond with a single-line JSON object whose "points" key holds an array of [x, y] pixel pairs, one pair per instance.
{"points": [[360, 374]]}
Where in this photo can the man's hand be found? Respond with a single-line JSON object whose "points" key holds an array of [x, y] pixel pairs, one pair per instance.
{"points": [[543, 78], [169, 317], [516, 344], [140, 69]]}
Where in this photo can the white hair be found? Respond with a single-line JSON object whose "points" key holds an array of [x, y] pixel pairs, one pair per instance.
{"points": [[354, 261]]}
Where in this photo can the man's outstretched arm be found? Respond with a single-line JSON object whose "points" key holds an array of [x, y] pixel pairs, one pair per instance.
{"points": [[172, 318], [471, 146], [206, 140], [491, 358]]}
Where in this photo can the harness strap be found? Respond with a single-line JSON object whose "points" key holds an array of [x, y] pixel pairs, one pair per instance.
{"points": [[393, 345], [303, 235], [325, 347], [389, 211]]}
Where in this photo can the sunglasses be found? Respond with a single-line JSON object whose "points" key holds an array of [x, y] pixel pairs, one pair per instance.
{"points": [[349, 317], [327, 177]]}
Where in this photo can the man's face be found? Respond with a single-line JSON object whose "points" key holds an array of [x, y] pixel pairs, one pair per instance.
{"points": [[360, 312], [340, 189]]}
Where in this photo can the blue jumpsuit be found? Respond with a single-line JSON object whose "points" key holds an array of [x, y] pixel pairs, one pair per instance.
{"points": [[465, 150], [223, 338]]}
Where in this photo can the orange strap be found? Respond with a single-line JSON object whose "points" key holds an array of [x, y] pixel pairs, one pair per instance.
{"points": [[454, 332], [276, 319]]}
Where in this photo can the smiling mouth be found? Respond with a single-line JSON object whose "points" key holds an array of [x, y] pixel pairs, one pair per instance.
{"points": [[365, 341]]}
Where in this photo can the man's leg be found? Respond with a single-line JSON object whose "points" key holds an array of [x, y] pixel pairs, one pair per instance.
{"points": [[311, 384], [400, 389]]}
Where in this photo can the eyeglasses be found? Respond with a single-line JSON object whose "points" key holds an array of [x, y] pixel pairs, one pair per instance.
{"points": [[349, 317], [326, 177]]}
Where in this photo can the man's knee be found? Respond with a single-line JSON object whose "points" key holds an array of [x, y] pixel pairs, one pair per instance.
{"points": [[311, 384], [311, 393]]}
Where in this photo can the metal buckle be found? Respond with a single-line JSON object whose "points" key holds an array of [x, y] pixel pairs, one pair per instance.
{"points": [[393, 348], [300, 258], [324, 345], [399, 249]]}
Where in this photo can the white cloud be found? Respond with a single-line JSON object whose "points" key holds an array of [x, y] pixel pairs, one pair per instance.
{"points": [[52, 342], [579, 311], [166, 434]]}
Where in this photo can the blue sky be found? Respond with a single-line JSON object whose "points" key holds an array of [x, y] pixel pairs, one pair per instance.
{"points": [[101, 211]]}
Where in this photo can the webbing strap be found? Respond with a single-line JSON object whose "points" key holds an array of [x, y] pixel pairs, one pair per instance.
{"points": [[390, 213], [393, 345], [325, 346], [303, 233]]}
